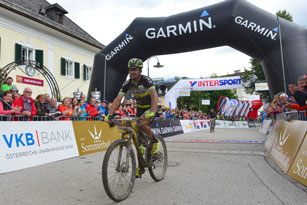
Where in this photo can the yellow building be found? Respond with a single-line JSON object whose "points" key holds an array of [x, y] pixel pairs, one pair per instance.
{"points": [[37, 31]]}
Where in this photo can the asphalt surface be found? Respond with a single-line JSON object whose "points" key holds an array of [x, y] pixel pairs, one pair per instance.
{"points": [[206, 173]]}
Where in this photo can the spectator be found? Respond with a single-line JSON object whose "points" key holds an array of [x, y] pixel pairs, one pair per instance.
{"points": [[130, 110], [124, 110], [91, 108], [6, 107], [300, 92], [103, 108], [66, 108], [82, 111], [14, 91], [41, 106], [47, 98], [75, 107], [27, 103], [283, 100], [7, 85], [52, 107], [83, 97]]}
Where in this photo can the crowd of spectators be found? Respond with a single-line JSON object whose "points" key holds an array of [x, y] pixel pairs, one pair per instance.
{"points": [[43, 106], [284, 103]]}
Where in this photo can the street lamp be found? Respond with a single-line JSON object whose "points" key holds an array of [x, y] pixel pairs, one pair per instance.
{"points": [[156, 66]]}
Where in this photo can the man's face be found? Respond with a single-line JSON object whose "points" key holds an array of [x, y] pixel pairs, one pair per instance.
{"points": [[93, 101], [301, 84], [134, 73], [47, 97], [103, 104], [9, 81], [53, 102], [27, 93]]}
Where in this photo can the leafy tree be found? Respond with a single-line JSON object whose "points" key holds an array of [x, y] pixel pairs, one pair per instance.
{"points": [[255, 74]]}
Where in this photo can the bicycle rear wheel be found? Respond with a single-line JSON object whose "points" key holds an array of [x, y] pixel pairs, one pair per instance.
{"points": [[158, 162], [118, 170]]}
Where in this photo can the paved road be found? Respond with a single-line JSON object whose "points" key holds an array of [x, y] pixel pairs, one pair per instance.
{"points": [[208, 173]]}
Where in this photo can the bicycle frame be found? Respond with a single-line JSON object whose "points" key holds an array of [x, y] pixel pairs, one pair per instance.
{"points": [[132, 134]]}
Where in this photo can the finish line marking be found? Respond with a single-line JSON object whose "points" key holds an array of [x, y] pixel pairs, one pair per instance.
{"points": [[216, 141]]}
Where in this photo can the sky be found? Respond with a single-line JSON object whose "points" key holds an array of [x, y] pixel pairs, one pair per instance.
{"points": [[105, 20]]}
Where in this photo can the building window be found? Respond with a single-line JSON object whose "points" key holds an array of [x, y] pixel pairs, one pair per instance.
{"points": [[87, 72], [27, 54], [69, 68]]}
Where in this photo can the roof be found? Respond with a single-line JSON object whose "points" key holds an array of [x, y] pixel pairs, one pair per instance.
{"points": [[31, 9]]}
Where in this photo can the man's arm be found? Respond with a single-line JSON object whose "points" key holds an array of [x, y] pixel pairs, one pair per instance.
{"points": [[115, 104], [154, 100]]}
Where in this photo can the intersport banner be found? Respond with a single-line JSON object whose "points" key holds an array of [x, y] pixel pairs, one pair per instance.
{"points": [[28, 144], [226, 83]]}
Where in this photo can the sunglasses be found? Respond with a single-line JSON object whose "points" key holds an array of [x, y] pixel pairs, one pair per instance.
{"points": [[28, 92]]}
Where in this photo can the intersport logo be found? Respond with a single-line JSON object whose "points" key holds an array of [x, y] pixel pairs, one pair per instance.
{"points": [[197, 25], [39, 138], [210, 83]]}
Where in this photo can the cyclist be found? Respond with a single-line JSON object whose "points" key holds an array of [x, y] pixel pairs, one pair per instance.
{"points": [[146, 97], [212, 116]]}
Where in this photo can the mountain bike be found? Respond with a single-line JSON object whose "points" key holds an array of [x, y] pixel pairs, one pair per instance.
{"points": [[119, 163], [212, 124]]}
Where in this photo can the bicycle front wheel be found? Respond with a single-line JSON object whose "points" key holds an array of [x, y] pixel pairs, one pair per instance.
{"points": [[158, 162], [118, 170]]}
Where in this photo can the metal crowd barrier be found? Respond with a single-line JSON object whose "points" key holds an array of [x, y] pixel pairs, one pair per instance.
{"points": [[294, 115]]}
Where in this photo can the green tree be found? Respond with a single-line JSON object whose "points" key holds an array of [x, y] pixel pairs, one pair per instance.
{"points": [[255, 74]]}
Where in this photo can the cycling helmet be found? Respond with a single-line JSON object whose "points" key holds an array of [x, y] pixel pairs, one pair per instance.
{"points": [[135, 63]]}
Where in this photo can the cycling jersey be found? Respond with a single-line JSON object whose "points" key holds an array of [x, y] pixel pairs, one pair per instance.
{"points": [[139, 90]]}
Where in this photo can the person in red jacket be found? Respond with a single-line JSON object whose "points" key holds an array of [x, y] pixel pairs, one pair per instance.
{"points": [[26, 102], [91, 108]]}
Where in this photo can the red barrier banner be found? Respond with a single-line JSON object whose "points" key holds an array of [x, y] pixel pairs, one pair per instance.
{"points": [[30, 81]]}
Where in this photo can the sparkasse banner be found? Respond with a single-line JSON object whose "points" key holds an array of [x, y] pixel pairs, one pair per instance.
{"points": [[28, 144]]}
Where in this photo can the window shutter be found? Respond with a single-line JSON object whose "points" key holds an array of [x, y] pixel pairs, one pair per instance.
{"points": [[63, 71], [84, 72], [18, 53], [77, 70], [39, 57]]}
